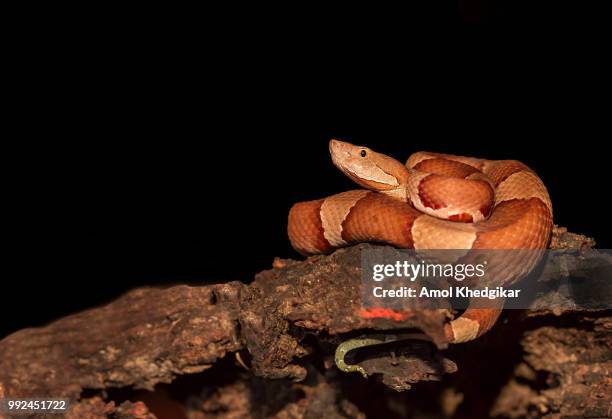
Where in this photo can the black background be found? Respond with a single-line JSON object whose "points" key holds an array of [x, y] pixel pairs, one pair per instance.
{"points": [[173, 156]]}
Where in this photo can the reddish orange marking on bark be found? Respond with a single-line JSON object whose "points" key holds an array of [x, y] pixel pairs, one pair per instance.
{"points": [[462, 218], [383, 313]]}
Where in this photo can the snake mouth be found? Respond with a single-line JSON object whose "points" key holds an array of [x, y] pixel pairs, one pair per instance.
{"points": [[338, 146], [354, 162], [339, 150], [340, 155]]}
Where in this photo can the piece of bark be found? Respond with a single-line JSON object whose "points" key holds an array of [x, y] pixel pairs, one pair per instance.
{"points": [[91, 408], [566, 370], [252, 397], [149, 336], [563, 239], [288, 316], [320, 296], [96, 408], [143, 338]]}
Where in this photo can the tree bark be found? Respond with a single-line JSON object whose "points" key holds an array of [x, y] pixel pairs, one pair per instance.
{"points": [[275, 339]]}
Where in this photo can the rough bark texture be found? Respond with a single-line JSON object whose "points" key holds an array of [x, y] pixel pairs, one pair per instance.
{"points": [[266, 350]]}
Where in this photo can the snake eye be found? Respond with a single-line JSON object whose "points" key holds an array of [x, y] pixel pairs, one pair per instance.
{"points": [[363, 153]]}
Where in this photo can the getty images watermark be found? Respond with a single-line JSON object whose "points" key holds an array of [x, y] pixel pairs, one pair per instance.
{"points": [[520, 279]]}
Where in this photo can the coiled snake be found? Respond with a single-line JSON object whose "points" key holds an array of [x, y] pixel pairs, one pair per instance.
{"points": [[435, 201]]}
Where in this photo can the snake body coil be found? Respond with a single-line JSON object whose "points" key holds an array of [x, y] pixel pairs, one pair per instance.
{"points": [[435, 201]]}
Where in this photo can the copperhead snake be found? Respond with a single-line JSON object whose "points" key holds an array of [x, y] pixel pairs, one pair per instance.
{"points": [[434, 201]]}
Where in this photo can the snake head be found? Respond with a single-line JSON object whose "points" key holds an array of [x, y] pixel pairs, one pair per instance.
{"points": [[368, 168]]}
